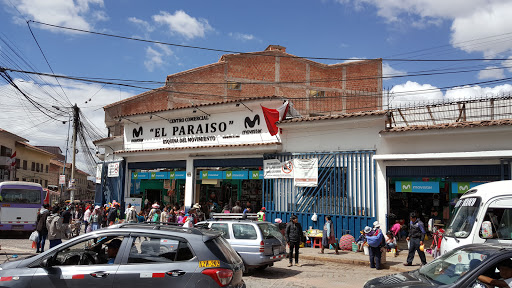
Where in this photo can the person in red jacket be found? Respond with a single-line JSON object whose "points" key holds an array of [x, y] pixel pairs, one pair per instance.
{"points": [[437, 238]]}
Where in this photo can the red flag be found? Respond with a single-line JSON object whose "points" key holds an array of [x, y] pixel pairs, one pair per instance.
{"points": [[274, 115]]}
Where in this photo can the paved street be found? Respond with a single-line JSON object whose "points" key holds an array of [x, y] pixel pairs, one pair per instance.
{"points": [[313, 274]]}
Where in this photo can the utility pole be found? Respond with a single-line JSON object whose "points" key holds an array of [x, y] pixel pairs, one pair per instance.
{"points": [[76, 118], [62, 186]]}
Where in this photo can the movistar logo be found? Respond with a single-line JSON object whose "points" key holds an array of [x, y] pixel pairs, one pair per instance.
{"points": [[251, 123], [463, 188], [408, 186], [137, 132]]}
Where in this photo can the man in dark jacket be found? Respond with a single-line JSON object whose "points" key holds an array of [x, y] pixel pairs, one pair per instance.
{"points": [[41, 227], [293, 236], [415, 238], [112, 215]]}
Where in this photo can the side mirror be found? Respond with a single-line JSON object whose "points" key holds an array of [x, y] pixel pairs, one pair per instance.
{"points": [[486, 230], [47, 263]]}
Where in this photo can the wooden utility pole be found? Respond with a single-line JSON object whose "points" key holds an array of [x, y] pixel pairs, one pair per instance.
{"points": [[76, 119]]}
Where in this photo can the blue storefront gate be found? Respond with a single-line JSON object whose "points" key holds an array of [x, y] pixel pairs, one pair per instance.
{"points": [[346, 191]]}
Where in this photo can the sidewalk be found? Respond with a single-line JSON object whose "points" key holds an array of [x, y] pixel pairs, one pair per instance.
{"points": [[358, 258]]}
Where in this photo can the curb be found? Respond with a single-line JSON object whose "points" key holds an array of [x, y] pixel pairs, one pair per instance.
{"points": [[351, 261]]}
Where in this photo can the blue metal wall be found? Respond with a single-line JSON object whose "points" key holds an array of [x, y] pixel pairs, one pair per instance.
{"points": [[346, 191]]}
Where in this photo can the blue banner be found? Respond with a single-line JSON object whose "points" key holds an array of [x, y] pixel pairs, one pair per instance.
{"points": [[463, 187], [178, 175], [417, 187], [236, 174]]}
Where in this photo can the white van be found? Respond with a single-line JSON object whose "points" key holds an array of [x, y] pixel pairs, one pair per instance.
{"points": [[482, 215]]}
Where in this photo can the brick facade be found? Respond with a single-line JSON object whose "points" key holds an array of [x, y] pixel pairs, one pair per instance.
{"points": [[314, 88]]}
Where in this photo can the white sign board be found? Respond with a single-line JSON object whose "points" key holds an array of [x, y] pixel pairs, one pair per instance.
{"points": [[236, 127], [136, 202], [99, 168], [113, 169], [274, 168], [62, 179], [305, 172]]}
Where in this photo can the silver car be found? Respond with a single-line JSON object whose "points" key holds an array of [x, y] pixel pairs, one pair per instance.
{"points": [[132, 255], [259, 243]]}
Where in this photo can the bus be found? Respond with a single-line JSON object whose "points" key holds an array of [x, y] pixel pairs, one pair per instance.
{"points": [[19, 202]]}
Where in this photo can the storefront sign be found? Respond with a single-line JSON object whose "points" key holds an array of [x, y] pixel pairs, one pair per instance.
{"points": [[159, 175], [274, 168], [463, 187], [113, 169], [62, 179], [136, 202], [305, 172], [99, 168], [239, 127], [417, 187], [240, 175]]}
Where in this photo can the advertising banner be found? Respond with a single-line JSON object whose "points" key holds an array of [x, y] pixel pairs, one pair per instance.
{"points": [[99, 168], [136, 202], [463, 187], [62, 179], [113, 169], [305, 172], [417, 187], [273, 168]]}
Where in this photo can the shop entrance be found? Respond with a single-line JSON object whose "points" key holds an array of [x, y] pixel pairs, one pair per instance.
{"points": [[154, 195]]}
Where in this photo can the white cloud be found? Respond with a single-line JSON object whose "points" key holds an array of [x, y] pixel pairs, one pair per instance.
{"points": [[466, 92], [492, 72], [388, 71], [474, 22], [143, 24], [241, 36], [412, 92], [156, 57], [21, 118], [76, 14], [183, 24]]}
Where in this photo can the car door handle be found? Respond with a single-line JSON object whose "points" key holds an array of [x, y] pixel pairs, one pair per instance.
{"points": [[99, 274], [176, 273]]}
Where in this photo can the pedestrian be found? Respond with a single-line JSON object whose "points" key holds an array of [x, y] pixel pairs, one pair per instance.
{"points": [[164, 216], [328, 237], [95, 218], [181, 216], [87, 216], [151, 214], [66, 218], [375, 241], [396, 229], [131, 214], [437, 237], [390, 241], [112, 215], [293, 237], [41, 229], [54, 226], [237, 208], [261, 214], [140, 217], [246, 210], [415, 238], [361, 240]]}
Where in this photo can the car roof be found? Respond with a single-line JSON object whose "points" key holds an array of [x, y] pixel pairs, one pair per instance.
{"points": [[165, 228], [232, 221], [487, 246]]}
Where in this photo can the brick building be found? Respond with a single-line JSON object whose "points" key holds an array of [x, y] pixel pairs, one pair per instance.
{"points": [[314, 88]]}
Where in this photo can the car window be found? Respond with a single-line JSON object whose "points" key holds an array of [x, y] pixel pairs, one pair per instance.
{"points": [[98, 250], [244, 231], [159, 250], [221, 248], [269, 230], [500, 220], [222, 227]]}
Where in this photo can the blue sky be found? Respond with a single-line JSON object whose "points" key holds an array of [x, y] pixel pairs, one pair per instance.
{"points": [[344, 29]]}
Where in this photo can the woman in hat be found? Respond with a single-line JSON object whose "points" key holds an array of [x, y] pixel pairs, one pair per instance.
{"points": [[95, 218], [154, 209], [328, 237]]}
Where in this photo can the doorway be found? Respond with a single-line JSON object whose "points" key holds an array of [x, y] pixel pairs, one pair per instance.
{"points": [[154, 195]]}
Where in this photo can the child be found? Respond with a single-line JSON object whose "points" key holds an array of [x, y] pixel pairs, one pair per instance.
{"points": [[390, 241], [362, 238]]}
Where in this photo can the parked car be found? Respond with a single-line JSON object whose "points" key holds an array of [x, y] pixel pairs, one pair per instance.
{"points": [[259, 243], [457, 268], [132, 255]]}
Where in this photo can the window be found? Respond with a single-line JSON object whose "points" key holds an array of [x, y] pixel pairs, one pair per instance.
{"points": [[222, 227], [500, 220], [244, 231], [37, 167], [89, 252], [316, 94], [33, 166], [18, 162], [4, 151], [45, 183], [234, 86], [25, 165], [464, 217], [46, 168], [21, 196], [159, 250]]}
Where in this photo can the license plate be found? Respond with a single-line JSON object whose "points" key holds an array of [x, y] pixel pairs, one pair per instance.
{"points": [[276, 251], [17, 227]]}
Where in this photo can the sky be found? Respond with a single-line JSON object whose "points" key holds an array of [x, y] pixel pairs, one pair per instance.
{"points": [[339, 29]]}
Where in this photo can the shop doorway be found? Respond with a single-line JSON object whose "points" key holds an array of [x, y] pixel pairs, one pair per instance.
{"points": [[154, 195]]}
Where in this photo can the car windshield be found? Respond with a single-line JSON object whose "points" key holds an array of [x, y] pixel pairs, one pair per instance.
{"points": [[453, 265], [269, 230], [465, 214]]}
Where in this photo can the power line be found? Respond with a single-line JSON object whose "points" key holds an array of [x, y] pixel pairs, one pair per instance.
{"points": [[253, 53]]}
